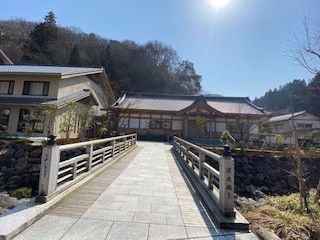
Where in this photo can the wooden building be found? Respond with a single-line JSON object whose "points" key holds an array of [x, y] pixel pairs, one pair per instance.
{"points": [[187, 116]]}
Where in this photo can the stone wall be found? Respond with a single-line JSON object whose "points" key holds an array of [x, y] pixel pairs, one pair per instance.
{"points": [[19, 166], [272, 175]]}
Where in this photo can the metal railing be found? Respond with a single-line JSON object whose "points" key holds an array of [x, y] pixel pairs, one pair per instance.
{"points": [[215, 172], [58, 174]]}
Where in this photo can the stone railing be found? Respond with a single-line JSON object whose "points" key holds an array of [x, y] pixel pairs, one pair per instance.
{"points": [[217, 177], [58, 174]]}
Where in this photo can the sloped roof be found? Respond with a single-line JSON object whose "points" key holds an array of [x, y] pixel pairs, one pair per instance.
{"points": [[47, 70], [175, 103], [285, 117], [62, 101]]}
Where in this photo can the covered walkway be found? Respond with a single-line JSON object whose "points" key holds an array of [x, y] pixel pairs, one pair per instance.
{"points": [[144, 195]]}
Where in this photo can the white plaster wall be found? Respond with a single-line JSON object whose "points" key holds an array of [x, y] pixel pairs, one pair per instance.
{"points": [[221, 126], [176, 125], [76, 84]]}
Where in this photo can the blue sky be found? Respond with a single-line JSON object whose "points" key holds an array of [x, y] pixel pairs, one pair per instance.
{"points": [[238, 49]]}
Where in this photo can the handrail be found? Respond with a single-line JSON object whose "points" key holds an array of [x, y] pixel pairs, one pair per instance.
{"points": [[218, 181], [99, 141], [205, 151], [57, 175]]}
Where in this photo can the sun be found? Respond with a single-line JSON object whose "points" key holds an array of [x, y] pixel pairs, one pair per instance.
{"points": [[219, 3]]}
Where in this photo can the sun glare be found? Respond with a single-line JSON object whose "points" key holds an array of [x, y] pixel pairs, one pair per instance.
{"points": [[219, 3]]}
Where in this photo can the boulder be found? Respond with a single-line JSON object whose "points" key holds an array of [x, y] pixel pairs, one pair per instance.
{"points": [[10, 152], [19, 153], [35, 168], [22, 163], [36, 153], [14, 180], [259, 194], [7, 201], [260, 176], [2, 181], [7, 172]]}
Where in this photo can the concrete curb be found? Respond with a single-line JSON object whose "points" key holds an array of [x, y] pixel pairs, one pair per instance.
{"points": [[18, 219]]}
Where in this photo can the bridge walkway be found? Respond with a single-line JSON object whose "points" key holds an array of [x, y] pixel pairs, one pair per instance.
{"points": [[144, 195]]}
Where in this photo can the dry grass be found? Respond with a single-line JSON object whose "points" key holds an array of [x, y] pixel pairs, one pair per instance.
{"points": [[283, 216]]}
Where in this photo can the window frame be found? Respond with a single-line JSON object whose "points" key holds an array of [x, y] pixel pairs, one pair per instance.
{"points": [[32, 124], [45, 88], [10, 87], [165, 124]]}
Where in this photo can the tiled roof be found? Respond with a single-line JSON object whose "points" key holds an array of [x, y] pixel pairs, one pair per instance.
{"points": [[67, 99], [45, 101], [21, 101], [47, 70], [174, 103], [285, 117]]}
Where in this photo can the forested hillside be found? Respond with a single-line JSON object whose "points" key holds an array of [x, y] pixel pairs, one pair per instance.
{"points": [[304, 96], [150, 67]]}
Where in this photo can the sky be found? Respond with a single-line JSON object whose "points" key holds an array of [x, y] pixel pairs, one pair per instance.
{"points": [[239, 49]]}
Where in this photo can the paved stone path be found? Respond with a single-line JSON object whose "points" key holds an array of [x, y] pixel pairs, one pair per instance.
{"points": [[143, 196]]}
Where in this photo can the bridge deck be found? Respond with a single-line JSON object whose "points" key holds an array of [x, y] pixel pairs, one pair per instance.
{"points": [[142, 196]]}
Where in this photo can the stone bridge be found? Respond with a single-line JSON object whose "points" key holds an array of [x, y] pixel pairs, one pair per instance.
{"points": [[145, 193]]}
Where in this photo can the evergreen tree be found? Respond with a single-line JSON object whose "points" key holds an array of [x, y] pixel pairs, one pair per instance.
{"points": [[40, 49], [74, 59]]}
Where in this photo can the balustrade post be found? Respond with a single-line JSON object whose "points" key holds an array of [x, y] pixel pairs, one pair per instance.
{"points": [[113, 143], [175, 143], [90, 152], [125, 144], [103, 155], [202, 158], [74, 170], [132, 140], [185, 152], [135, 139], [49, 171], [226, 183]]}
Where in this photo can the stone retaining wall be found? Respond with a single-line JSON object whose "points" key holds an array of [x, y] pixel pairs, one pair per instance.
{"points": [[19, 166], [272, 175]]}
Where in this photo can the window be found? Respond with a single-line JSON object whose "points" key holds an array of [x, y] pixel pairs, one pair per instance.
{"points": [[304, 125], [160, 124], [31, 120], [4, 118], [134, 123], [6, 87], [36, 88]]}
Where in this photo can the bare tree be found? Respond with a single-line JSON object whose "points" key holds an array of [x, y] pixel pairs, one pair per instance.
{"points": [[305, 51], [305, 46], [245, 125]]}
